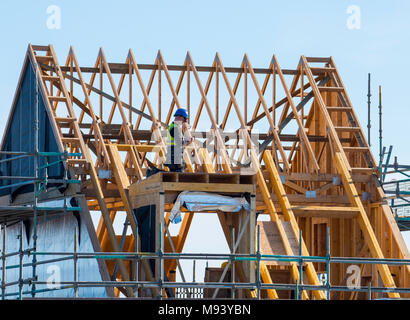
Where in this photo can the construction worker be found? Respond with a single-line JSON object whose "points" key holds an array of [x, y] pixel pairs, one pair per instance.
{"points": [[176, 141]]}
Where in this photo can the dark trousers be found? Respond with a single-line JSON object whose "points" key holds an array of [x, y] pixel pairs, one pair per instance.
{"points": [[174, 167], [174, 159]]}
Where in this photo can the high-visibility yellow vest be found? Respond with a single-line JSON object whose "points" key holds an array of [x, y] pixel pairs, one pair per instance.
{"points": [[170, 139]]}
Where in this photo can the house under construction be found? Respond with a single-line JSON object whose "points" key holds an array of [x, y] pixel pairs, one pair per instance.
{"points": [[285, 144]]}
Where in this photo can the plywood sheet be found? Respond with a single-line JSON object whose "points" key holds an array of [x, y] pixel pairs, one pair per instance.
{"points": [[271, 242]]}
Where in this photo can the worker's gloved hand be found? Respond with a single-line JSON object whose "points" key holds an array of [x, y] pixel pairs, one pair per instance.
{"points": [[177, 219]]}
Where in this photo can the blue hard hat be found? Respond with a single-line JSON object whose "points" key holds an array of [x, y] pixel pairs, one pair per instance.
{"points": [[181, 112]]}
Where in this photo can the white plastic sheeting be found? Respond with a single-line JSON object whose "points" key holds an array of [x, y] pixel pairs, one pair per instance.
{"points": [[204, 201], [55, 234]]}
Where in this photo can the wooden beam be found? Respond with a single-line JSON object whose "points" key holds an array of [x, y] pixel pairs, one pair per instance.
{"points": [[122, 68], [267, 114], [301, 132], [123, 183], [327, 212], [221, 144], [295, 187]]}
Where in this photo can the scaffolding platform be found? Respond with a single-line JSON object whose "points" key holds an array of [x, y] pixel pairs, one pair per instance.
{"points": [[153, 198], [234, 183]]}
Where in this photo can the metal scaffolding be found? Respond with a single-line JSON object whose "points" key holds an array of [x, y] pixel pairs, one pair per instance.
{"points": [[397, 188], [10, 215], [186, 289]]}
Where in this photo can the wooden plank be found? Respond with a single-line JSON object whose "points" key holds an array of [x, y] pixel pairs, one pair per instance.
{"points": [[331, 89], [105, 239], [77, 161], [322, 105], [123, 183], [263, 89], [271, 242], [339, 109], [266, 278], [356, 149], [348, 129], [267, 113], [108, 224], [224, 178], [278, 104], [322, 211], [127, 130], [86, 217], [325, 187], [44, 59], [223, 153], [71, 140], [322, 69], [162, 63], [192, 177], [58, 99], [156, 124], [208, 187], [369, 171], [40, 47], [95, 123], [206, 160], [274, 218], [349, 104], [181, 238], [50, 78], [302, 132], [295, 187], [323, 177], [318, 59], [201, 104], [122, 68], [143, 148], [318, 200]]}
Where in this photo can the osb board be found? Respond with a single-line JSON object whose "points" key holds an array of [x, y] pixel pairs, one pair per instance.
{"points": [[144, 200], [271, 242]]}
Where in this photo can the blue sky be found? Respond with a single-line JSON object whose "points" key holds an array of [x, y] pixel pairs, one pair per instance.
{"points": [[232, 28]]}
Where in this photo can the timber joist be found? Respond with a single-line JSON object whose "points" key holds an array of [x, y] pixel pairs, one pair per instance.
{"points": [[305, 150]]}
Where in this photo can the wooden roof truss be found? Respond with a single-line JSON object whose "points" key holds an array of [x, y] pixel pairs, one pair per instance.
{"points": [[308, 137]]}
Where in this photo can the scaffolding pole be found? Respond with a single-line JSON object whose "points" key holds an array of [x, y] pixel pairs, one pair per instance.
{"points": [[160, 255]]}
